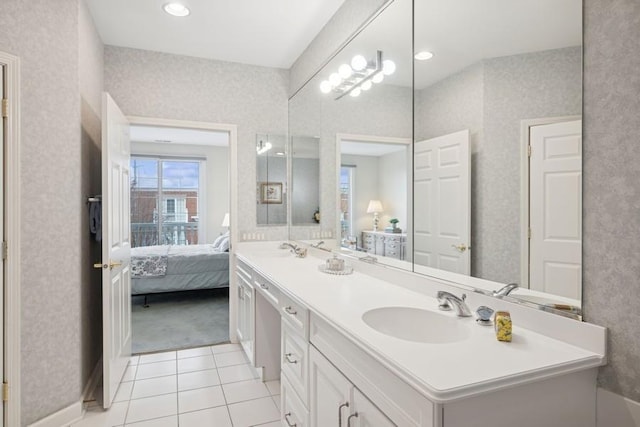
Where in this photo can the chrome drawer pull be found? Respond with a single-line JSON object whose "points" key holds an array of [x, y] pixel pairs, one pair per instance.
{"points": [[288, 357], [290, 310], [344, 405], [354, 415], [264, 286], [286, 418]]}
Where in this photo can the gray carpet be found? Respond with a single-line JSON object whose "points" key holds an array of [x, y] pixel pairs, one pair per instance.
{"points": [[180, 320]]}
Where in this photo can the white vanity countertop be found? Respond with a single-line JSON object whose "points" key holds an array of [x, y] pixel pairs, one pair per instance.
{"points": [[442, 372]]}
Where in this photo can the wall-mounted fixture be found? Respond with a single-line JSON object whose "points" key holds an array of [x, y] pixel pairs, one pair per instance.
{"points": [[225, 220], [263, 146], [176, 9], [375, 207], [358, 76]]}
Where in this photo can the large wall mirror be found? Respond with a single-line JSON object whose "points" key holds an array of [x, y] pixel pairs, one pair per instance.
{"points": [[492, 105]]}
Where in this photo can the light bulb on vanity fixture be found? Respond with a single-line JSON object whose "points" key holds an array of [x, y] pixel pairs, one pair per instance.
{"points": [[375, 207], [359, 76]]}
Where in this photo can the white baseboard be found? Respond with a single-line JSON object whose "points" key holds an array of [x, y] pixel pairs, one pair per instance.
{"points": [[63, 417], [75, 411], [616, 410]]}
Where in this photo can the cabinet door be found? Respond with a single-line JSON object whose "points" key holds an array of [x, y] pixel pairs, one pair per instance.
{"points": [[240, 315], [248, 321], [366, 414], [330, 393]]}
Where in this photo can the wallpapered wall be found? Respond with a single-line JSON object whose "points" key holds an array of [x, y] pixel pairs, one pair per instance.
{"points": [[153, 84], [490, 99], [45, 37], [611, 212]]}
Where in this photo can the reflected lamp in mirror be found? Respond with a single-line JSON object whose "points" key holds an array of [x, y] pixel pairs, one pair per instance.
{"points": [[225, 220], [375, 207]]}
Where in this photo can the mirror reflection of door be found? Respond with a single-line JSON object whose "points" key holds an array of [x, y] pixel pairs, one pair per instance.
{"points": [[555, 209]]}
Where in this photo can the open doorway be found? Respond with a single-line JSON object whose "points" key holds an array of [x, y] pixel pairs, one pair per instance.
{"points": [[180, 237]]}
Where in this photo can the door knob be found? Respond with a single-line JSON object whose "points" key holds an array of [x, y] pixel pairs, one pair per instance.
{"points": [[461, 247], [109, 266]]}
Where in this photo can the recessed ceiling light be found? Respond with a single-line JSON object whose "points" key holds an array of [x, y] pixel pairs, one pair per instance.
{"points": [[280, 153], [176, 9], [424, 55]]}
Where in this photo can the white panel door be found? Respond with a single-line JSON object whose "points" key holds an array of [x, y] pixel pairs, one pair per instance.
{"points": [[116, 247], [556, 209], [442, 203], [330, 397]]}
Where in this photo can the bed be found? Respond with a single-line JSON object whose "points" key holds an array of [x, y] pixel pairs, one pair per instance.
{"points": [[171, 268]]}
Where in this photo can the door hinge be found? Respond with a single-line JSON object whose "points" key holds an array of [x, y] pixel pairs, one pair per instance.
{"points": [[5, 107], [5, 249], [528, 150], [5, 392]]}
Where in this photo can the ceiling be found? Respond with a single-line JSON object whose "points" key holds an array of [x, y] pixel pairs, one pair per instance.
{"points": [[267, 33]]}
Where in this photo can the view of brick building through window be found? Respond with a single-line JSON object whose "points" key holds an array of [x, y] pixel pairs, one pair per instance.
{"points": [[165, 214]]}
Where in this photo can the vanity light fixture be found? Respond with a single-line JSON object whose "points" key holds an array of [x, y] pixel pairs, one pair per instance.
{"points": [[351, 79], [423, 55], [176, 9], [262, 147]]}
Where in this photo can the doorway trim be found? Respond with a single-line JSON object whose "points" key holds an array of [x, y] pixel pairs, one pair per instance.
{"points": [[12, 306], [233, 183], [525, 131]]}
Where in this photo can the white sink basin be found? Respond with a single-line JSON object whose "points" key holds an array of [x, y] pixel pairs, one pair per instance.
{"points": [[414, 324]]}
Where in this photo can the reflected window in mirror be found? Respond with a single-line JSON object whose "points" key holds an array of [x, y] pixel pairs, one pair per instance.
{"points": [[271, 180]]}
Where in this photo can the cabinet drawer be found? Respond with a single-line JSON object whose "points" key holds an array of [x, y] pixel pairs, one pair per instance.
{"points": [[268, 289], [292, 410], [244, 270], [394, 239], [295, 361], [295, 315]]}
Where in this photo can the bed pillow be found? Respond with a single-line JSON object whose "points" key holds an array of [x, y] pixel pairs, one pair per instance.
{"points": [[218, 241], [224, 245]]}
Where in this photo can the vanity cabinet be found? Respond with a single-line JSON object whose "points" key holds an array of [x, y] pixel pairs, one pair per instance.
{"points": [[334, 401], [246, 309], [391, 245]]}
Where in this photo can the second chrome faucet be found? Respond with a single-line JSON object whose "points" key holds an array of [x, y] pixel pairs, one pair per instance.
{"points": [[447, 301]]}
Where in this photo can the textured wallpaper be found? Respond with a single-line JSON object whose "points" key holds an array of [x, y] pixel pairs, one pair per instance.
{"points": [[153, 84], [490, 99], [611, 188], [45, 37]]}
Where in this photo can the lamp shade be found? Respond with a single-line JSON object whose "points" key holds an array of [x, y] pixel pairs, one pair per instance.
{"points": [[375, 206], [225, 221]]}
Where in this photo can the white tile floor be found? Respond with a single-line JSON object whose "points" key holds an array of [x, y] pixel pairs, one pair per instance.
{"points": [[201, 387]]}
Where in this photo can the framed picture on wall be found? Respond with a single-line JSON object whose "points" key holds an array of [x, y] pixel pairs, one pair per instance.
{"points": [[271, 192]]}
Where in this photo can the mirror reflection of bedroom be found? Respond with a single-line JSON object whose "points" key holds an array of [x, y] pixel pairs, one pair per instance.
{"points": [[179, 238]]}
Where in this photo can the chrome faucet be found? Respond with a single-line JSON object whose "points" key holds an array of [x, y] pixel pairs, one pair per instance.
{"points": [[300, 252], [446, 300], [505, 290]]}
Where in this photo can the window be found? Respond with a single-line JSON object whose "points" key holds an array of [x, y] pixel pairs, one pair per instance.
{"points": [[164, 201], [346, 204]]}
